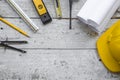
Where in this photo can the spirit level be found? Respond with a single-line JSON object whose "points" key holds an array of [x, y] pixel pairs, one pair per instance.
{"points": [[42, 11]]}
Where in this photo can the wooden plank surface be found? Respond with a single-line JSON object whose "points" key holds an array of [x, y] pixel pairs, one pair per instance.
{"points": [[54, 52], [53, 65]]}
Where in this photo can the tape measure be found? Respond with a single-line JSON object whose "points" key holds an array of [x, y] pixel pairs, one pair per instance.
{"points": [[42, 11], [58, 8]]}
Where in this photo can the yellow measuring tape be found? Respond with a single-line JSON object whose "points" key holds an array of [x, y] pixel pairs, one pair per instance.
{"points": [[58, 8], [42, 10]]}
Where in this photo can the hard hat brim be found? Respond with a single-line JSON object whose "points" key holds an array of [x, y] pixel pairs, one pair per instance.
{"points": [[104, 52]]}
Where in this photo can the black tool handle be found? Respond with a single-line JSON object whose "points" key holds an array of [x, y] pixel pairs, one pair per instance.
{"points": [[70, 3], [3, 44], [15, 42]]}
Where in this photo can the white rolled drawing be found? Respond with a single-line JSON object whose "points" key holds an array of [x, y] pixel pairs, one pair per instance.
{"points": [[86, 10], [101, 12], [96, 14], [108, 16]]}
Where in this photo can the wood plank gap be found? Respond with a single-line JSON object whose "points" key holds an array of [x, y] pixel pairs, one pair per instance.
{"points": [[115, 18], [60, 48]]}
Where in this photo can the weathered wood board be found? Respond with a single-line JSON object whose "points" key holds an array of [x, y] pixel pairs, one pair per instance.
{"points": [[54, 52]]}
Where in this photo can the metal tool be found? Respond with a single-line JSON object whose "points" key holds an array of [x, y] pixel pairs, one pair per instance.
{"points": [[70, 4], [23, 15], [58, 8], [42, 11], [5, 44]]}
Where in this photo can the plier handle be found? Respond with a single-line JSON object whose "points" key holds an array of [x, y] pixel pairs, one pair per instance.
{"points": [[5, 44]]}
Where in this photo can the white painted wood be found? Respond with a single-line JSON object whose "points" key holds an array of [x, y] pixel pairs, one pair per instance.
{"points": [[54, 35], [54, 52], [28, 7], [53, 65]]}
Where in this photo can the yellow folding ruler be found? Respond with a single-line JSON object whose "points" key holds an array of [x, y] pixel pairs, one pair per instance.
{"points": [[58, 8], [42, 11]]}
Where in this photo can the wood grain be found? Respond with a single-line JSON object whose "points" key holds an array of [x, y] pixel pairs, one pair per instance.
{"points": [[52, 65], [54, 52]]}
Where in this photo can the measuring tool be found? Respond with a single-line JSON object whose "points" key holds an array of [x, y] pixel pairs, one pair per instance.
{"points": [[42, 11], [23, 15], [58, 8]]}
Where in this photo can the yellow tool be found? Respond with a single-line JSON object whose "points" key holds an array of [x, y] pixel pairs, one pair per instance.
{"points": [[42, 10], [14, 27], [58, 8]]}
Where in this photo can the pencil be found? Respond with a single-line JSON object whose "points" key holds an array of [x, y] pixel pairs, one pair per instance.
{"points": [[14, 27]]}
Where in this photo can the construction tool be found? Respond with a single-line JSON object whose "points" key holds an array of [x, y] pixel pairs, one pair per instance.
{"points": [[58, 8], [70, 5], [14, 27], [5, 44], [42, 11], [23, 15]]}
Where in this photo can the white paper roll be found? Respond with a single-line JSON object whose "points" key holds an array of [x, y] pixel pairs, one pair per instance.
{"points": [[108, 17], [97, 13], [86, 10], [23, 15], [101, 12]]}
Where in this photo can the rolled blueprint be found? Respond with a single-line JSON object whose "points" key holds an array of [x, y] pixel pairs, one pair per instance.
{"points": [[86, 10], [97, 15], [23, 15], [108, 17], [101, 12]]}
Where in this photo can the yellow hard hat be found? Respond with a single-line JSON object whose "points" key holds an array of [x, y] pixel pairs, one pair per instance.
{"points": [[108, 46]]}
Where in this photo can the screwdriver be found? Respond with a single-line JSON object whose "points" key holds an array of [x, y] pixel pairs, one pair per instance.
{"points": [[70, 14]]}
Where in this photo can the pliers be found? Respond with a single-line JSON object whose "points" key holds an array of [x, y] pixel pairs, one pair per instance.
{"points": [[5, 44]]}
